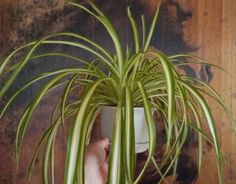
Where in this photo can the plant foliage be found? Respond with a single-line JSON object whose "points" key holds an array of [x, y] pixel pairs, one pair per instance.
{"points": [[145, 77]]}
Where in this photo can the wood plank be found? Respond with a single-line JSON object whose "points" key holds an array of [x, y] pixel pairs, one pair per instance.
{"points": [[212, 29], [233, 90], [228, 62]]}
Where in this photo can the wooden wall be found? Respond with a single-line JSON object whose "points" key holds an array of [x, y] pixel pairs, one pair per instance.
{"points": [[203, 27], [213, 29]]}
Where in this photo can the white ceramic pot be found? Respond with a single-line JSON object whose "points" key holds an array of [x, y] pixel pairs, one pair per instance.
{"points": [[140, 126]]}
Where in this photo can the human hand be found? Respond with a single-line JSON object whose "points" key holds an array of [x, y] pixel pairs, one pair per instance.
{"points": [[96, 166]]}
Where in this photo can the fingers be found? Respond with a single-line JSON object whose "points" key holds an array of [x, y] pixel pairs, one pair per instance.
{"points": [[103, 171], [104, 143], [96, 161]]}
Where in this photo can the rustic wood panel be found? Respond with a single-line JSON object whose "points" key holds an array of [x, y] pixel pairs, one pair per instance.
{"points": [[206, 28], [229, 85], [212, 30]]}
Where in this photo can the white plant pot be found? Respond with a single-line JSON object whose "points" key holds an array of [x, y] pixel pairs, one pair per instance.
{"points": [[140, 126]]}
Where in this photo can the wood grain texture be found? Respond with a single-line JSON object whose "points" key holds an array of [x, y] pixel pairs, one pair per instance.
{"points": [[212, 30], [204, 27]]}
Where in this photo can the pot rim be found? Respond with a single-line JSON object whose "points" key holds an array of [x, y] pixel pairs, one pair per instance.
{"points": [[113, 107]]}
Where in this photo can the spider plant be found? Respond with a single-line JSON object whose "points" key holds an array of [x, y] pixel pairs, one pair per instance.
{"points": [[142, 76]]}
